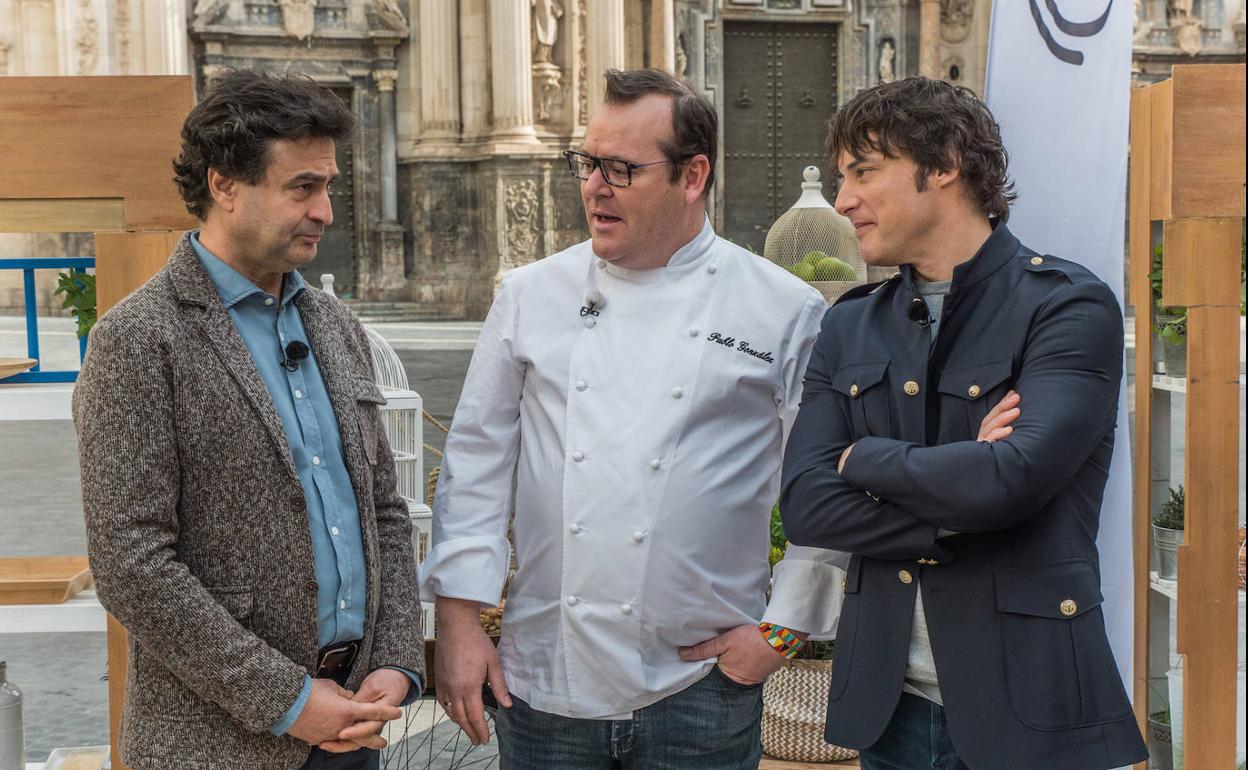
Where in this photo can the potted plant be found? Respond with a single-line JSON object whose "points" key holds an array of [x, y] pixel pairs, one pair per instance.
{"points": [[1168, 534], [795, 704], [1169, 324], [1160, 736], [79, 290]]}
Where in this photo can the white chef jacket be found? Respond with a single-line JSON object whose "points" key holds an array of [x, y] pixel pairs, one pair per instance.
{"points": [[645, 445]]}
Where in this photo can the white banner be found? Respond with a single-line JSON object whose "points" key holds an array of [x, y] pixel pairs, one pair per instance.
{"points": [[1059, 80]]}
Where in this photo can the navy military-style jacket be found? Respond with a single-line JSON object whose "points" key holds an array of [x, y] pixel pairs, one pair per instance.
{"points": [[1013, 600]]}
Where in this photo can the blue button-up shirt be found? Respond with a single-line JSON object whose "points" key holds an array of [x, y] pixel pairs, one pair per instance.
{"points": [[267, 326]]}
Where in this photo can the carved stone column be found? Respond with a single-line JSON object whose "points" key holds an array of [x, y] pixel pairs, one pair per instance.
{"points": [[385, 80], [604, 45], [663, 35], [387, 276], [929, 38], [474, 69], [511, 52], [439, 72]]}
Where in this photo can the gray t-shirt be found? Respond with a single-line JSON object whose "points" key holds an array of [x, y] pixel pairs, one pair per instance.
{"points": [[921, 676]]}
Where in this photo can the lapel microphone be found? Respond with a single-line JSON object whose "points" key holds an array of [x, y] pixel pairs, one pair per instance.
{"points": [[594, 302], [295, 352], [918, 312]]}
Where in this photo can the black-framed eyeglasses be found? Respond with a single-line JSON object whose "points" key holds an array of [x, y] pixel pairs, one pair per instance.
{"points": [[615, 172]]}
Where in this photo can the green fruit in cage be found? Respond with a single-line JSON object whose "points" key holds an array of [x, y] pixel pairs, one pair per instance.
{"points": [[804, 270], [812, 257], [833, 269]]}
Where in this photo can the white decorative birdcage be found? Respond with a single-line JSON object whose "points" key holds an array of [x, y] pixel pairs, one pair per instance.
{"points": [[815, 243]]}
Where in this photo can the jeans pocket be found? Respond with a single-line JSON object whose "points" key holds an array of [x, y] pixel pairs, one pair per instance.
{"points": [[733, 685]]}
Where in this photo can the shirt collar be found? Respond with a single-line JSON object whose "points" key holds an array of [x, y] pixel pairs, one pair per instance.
{"points": [[233, 286], [695, 248]]}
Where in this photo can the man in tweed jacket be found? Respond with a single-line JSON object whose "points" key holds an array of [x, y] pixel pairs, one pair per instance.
{"points": [[242, 518]]}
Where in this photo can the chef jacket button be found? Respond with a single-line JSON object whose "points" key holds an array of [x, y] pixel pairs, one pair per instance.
{"points": [[905, 576], [581, 385], [677, 392], [573, 600], [602, 263], [1037, 261], [693, 331], [627, 609], [576, 529], [590, 323], [655, 464], [973, 391], [578, 456], [639, 535], [712, 269], [911, 388]]}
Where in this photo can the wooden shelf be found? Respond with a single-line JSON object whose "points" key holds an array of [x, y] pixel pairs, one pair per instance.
{"points": [[1167, 588], [1170, 384]]}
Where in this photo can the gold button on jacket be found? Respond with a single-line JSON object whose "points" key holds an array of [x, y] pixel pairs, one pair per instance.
{"points": [[853, 389], [1069, 607], [911, 388], [905, 576], [1037, 260], [973, 391]]}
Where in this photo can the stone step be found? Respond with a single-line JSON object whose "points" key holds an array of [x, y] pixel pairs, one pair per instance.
{"points": [[392, 312]]}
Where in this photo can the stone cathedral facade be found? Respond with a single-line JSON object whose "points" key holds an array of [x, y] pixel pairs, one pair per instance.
{"points": [[464, 106]]}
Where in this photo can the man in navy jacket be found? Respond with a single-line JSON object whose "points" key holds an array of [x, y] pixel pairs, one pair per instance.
{"points": [[955, 436]]}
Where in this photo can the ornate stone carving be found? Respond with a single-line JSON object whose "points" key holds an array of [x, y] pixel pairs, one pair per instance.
{"points": [[86, 39], [385, 79], [547, 88], [4, 58], [522, 208], [1189, 38], [888, 53], [682, 56], [955, 19], [122, 26], [582, 66], [298, 18], [546, 16], [387, 15], [209, 12]]}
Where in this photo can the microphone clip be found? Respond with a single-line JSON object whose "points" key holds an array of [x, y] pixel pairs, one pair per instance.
{"points": [[918, 312]]}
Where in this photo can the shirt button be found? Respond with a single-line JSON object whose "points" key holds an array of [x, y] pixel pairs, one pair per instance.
{"points": [[693, 331], [911, 388], [678, 392], [298, 394], [573, 600], [655, 464], [342, 605], [268, 300], [576, 529], [639, 535], [581, 385], [905, 576], [578, 456], [627, 609], [334, 531], [316, 460]]}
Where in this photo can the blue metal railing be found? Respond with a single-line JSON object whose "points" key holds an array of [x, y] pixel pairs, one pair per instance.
{"points": [[28, 268]]}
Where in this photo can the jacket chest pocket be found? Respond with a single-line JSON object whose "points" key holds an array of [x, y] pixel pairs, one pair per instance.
{"points": [[865, 385], [368, 403], [969, 392]]}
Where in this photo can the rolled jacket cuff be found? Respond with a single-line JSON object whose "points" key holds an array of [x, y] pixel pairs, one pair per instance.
{"points": [[806, 596], [472, 568]]}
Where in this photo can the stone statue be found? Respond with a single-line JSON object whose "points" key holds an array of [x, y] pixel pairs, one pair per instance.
{"points": [[546, 16], [887, 54], [386, 14], [682, 56], [298, 17], [209, 11], [1142, 27]]}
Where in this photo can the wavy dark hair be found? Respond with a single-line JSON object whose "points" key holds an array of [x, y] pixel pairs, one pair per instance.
{"points": [[935, 124], [242, 111], [695, 126]]}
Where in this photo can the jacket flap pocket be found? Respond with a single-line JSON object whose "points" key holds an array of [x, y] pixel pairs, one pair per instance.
{"points": [[235, 599], [975, 380], [854, 379], [1062, 590], [366, 390]]}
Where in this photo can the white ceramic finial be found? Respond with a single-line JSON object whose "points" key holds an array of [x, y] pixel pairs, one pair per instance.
{"points": [[811, 174], [327, 284], [812, 195]]}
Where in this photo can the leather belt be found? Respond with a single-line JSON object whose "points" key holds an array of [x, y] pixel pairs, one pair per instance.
{"points": [[334, 661]]}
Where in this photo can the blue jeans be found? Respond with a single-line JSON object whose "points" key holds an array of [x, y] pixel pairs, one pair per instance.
{"points": [[711, 725], [917, 738], [360, 759]]}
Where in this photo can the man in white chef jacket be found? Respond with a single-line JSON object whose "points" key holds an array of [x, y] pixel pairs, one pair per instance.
{"points": [[638, 389]]}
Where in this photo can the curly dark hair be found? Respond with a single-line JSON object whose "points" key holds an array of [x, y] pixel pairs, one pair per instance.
{"points": [[935, 124], [242, 111], [695, 126]]}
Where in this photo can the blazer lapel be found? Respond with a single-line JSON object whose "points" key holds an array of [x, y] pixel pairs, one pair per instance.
{"points": [[195, 288]]}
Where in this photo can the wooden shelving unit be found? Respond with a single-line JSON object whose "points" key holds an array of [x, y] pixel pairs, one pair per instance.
{"points": [[1187, 173]]}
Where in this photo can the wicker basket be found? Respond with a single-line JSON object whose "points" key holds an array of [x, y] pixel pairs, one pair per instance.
{"points": [[795, 705]]}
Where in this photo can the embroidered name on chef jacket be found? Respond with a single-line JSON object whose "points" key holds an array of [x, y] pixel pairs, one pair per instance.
{"points": [[743, 347]]}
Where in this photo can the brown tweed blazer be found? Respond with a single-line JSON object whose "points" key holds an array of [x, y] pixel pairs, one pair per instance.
{"points": [[196, 523]]}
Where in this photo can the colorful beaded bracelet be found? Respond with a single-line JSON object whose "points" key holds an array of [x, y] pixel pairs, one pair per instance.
{"points": [[781, 638]]}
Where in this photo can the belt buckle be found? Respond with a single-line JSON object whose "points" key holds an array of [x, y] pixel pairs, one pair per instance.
{"points": [[335, 659]]}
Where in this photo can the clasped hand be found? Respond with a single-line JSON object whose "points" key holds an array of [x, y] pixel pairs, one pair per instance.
{"points": [[338, 720]]}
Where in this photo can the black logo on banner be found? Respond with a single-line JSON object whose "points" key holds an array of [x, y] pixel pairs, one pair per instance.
{"points": [[1072, 28]]}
